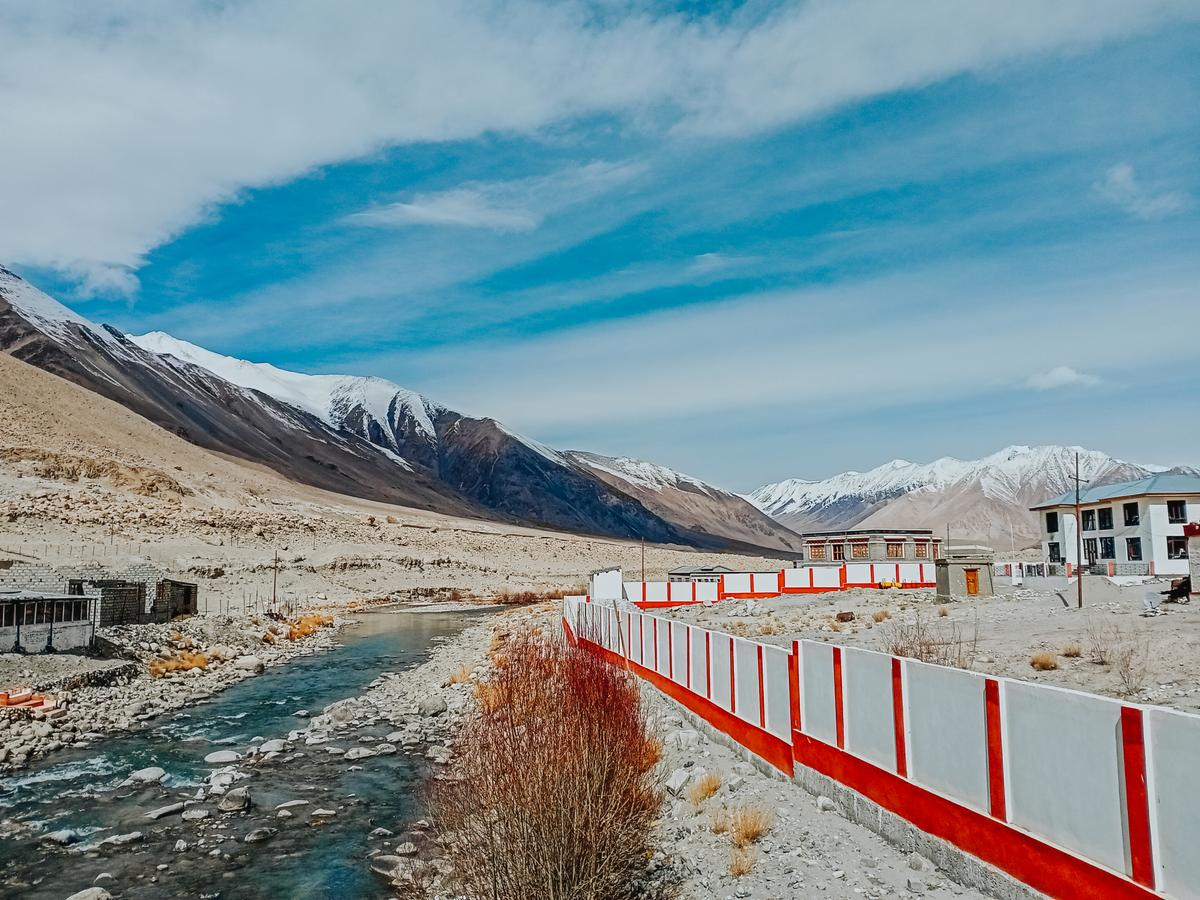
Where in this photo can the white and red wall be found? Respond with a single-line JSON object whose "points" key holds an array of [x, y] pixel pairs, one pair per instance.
{"points": [[1074, 794]]}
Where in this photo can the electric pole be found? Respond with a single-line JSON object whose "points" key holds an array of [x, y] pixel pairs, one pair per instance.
{"points": [[274, 581], [1078, 538], [643, 559]]}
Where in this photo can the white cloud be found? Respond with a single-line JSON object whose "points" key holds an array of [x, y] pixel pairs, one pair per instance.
{"points": [[1120, 186], [95, 278], [464, 207], [1060, 377], [123, 125], [518, 205]]}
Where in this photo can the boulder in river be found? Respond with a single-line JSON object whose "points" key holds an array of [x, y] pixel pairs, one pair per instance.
{"points": [[249, 664], [148, 775], [236, 800], [431, 706], [92, 893], [258, 835], [168, 810], [359, 753], [222, 757]]}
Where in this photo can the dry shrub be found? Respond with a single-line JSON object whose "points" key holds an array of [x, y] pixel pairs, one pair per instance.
{"points": [[1101, 640], [461, 675], [499, 639], [747, 824], [180, 662], [1131, 661], [742, 861], [523, 598], [1072, 651], [1044, 662], [881, 616], [943, 644], [306, 625], [943, 611], [704, 787], [552, 793], [834, 626], [719, 822]]}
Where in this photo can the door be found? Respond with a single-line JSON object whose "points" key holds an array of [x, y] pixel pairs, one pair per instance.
{"points": [[972, 581]]}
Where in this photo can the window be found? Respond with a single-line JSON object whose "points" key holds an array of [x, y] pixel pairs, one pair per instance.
{"points": [[1055, 551], [895, 550], [8, 615], [1051, 522], [1105, 518], [1089, 520], [816, 551], [1090, 551], [1108, 548], [839, 551], [1133, 549], [1177, 547], [860, 551], [922, 551], [1176, 511], [1132, 515]]}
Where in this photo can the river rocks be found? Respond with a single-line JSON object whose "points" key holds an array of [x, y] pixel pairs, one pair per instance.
{"points": [[258, 835], [222, 757], [431, 706], [92, 893], [249, 663], [387, 866], [169, 810], [385, 749], [359, 753], [274, 746], [292, 804], [236, 800], [324, 813], [121, 840], [148, 775], [196, 814], [61, 837], [408, 848], [677, 781]]}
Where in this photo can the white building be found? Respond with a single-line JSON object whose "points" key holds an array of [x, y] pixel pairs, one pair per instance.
{"points": [[1129, 528]]}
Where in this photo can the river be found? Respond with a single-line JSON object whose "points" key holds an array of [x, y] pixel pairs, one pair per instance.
{"points": [[80, 789]]}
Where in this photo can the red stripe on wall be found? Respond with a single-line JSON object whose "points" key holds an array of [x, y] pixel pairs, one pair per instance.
{"points": [[898, 717], [839, 712], [794, 684], [1133, 746], [762, 705], [1042, 866], [995, 750]]}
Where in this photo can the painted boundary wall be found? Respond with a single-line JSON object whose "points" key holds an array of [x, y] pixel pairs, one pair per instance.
{"points": [[1073, 794], [758, 585]]}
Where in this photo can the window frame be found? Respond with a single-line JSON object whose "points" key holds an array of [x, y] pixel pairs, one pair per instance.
{"points": [[895, 549], [1130, 544], [816, 551], [1089, 520], [1101, 514], [1133, 514], [1054, 551], [1091, 549], [1178, 540], [1056, 520], [1177, 520], [1108, 543], [860, 550], [839, 552]]}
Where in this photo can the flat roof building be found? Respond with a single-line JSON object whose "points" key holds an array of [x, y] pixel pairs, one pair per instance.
{"points": [[871, 545], [1127, 528]]}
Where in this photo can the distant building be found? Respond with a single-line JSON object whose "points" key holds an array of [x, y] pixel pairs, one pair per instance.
{"points": [[1128, 528], [37, 622], [871, 545], [698, 573], [966, 571]]}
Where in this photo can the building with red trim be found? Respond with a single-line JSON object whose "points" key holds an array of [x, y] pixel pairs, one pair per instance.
{"points": [[871, 545]]}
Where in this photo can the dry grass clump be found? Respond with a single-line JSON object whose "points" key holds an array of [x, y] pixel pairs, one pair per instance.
{"points": [[747, 824], [881, 616], [1072, 651], [742, 861], [552, 793], [942, 644], [719, 822], [306, 625], [1101, 640], [943, 611], [179, 662], [524, 598], [1131, 662], [461, 675], [704, 787], [1044, 662]]}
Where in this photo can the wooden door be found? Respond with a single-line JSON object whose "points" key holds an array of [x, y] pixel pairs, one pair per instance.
{"points": [[972, 576]]}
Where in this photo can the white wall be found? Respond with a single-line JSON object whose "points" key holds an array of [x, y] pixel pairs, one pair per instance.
{"points": [[1175, 799], [870, 727], [817, 712], [947, 731]]}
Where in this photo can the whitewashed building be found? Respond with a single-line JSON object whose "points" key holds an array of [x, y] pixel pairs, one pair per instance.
{"points": [[1128, 528]]}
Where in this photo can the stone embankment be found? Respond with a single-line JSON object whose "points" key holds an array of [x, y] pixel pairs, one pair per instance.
{"points": [[231, 648]]}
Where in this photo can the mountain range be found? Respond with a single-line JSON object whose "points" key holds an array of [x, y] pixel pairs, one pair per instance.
{"points": [[985, 499], [367, 437]]}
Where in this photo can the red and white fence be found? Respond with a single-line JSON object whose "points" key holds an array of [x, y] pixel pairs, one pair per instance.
{"points": [[1074, 794], [801, 580]]}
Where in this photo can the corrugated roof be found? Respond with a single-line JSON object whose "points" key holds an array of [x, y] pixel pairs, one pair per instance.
{"points": [[1154, 484]]}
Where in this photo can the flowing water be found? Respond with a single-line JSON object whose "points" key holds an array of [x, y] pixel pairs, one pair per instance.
{"points": [[80, 789]]}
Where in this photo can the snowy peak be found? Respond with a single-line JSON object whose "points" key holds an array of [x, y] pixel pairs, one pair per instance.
{"points": [[983, 494], [650, 476], [373, 407], [44, 312]]}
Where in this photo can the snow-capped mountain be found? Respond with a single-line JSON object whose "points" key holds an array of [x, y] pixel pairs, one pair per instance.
{"points": [[355, 435], [978, 499], [689, 501]]}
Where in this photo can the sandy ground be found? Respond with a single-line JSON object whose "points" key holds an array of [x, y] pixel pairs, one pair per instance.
{"points": [[1153, 660]]}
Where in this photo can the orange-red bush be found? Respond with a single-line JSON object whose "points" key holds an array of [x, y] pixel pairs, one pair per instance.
{"points": [[552, 792]]}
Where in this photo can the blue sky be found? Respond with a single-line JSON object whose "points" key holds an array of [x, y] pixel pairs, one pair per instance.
{"points": [[750, 241]]}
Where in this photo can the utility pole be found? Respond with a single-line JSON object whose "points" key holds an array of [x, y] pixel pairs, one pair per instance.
{"points": [[643, 558], [274, 579], [1078, 538]]}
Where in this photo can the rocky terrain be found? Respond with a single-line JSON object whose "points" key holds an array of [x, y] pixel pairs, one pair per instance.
{"points": [[126, 695]]}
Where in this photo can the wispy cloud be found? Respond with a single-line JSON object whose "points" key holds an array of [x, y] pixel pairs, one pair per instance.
{"points": [[464, 207], [99, 109], [1121, 187], [1060, 377]]}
